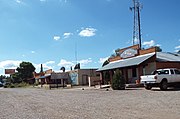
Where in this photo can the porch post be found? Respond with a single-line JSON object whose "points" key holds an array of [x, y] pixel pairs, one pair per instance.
{"points": [[140, 73], [63, 83], [101, 79], [126, 75], [111, 76]]}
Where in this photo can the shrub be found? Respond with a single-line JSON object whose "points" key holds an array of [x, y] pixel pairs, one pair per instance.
{"points": [[23, 84], [16, 85], [118, 81], [12, 86]]}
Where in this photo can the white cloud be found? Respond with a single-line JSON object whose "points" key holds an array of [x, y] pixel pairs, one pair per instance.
{"points": [[148, 43], [18, 1], [56, 38], [177, 47], [135, 40], [46, 65], [67, 35], [102, 60], [65, 63], [9, 64], [50, 62], [33, 52], [85, 61], [65, 1], [68, 64], [87, 32], [158, 45], [176, 50]]}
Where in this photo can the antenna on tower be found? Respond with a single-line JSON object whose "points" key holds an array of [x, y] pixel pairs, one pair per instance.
{"points": [[76, 51], [77, 66], [137, 24]]}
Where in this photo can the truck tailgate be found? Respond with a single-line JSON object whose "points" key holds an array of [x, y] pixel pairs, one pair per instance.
{"points": [[148, 79]]}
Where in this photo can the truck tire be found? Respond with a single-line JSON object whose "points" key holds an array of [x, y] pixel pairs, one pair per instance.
{"points": [[164, 85], [147, 87]]}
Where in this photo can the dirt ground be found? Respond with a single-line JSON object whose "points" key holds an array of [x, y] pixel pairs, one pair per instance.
{"points": [[33, 103]]}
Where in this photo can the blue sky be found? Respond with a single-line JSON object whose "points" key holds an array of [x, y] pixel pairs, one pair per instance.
{"points": [[49, 31]]}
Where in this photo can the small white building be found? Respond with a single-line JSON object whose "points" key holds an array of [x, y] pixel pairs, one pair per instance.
{"points": [[84, 76]]}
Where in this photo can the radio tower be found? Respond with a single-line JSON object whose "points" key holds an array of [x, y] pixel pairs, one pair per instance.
{"points": [[137, 25]]}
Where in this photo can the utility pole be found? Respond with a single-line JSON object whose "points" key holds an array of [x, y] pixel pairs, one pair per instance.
{"points": [[41, 68], [137, 24]]}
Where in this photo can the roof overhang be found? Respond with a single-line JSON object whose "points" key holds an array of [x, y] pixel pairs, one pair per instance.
{"points": [[167, 57], [127, 62]]}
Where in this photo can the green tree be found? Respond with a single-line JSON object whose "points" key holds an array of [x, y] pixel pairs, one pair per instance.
{"points": [[16, 78], [2, 77], [118, 81], [25, 71], [158, 49]]}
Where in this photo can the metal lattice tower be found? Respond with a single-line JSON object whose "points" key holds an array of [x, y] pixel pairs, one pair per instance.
{"points": [[137, 25]]}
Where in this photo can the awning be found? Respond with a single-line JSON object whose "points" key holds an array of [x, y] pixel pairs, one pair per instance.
{"points": [[127, 62], [62, 75], [43, 77]]}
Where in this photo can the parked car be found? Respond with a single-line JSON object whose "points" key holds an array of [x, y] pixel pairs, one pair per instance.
{"points": [[162, 78]]}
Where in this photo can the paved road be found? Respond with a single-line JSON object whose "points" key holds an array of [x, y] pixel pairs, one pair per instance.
{"points": [[31, 103]]}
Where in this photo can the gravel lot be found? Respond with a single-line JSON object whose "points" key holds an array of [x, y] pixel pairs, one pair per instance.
{"points": [[32, 103]]}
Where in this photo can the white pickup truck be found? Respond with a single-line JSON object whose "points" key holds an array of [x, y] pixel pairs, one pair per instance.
{"points": [[162, 78]]}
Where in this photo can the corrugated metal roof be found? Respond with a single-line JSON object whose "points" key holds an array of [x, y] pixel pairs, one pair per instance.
{"points": [[127, 62], [170, 57]]}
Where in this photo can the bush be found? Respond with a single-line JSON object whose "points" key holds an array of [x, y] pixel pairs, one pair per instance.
{"points": [[118, 81], [23, 84], [16, 85], [12, 86]]}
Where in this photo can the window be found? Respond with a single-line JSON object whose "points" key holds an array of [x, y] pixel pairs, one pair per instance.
{"points": [[177, 71], [172, 72], [159, 72], [134, 73]]}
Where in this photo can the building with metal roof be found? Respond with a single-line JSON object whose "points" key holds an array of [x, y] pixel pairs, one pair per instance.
{"points": [[133, 63]]}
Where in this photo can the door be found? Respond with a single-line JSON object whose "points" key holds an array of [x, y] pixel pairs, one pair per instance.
{"points": [[173, 76], [84, 79], [177, 75]]}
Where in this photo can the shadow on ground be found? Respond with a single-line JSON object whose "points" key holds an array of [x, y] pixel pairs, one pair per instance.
{"points": [[169, 89]]}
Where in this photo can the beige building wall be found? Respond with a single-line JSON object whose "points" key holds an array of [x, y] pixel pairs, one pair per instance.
{"points": [[149, 68], [129, 74], [83, 75], [132, 79]]}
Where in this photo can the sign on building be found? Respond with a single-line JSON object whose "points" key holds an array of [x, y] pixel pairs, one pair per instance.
{"points": [[9, 71], [128, 53]]}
